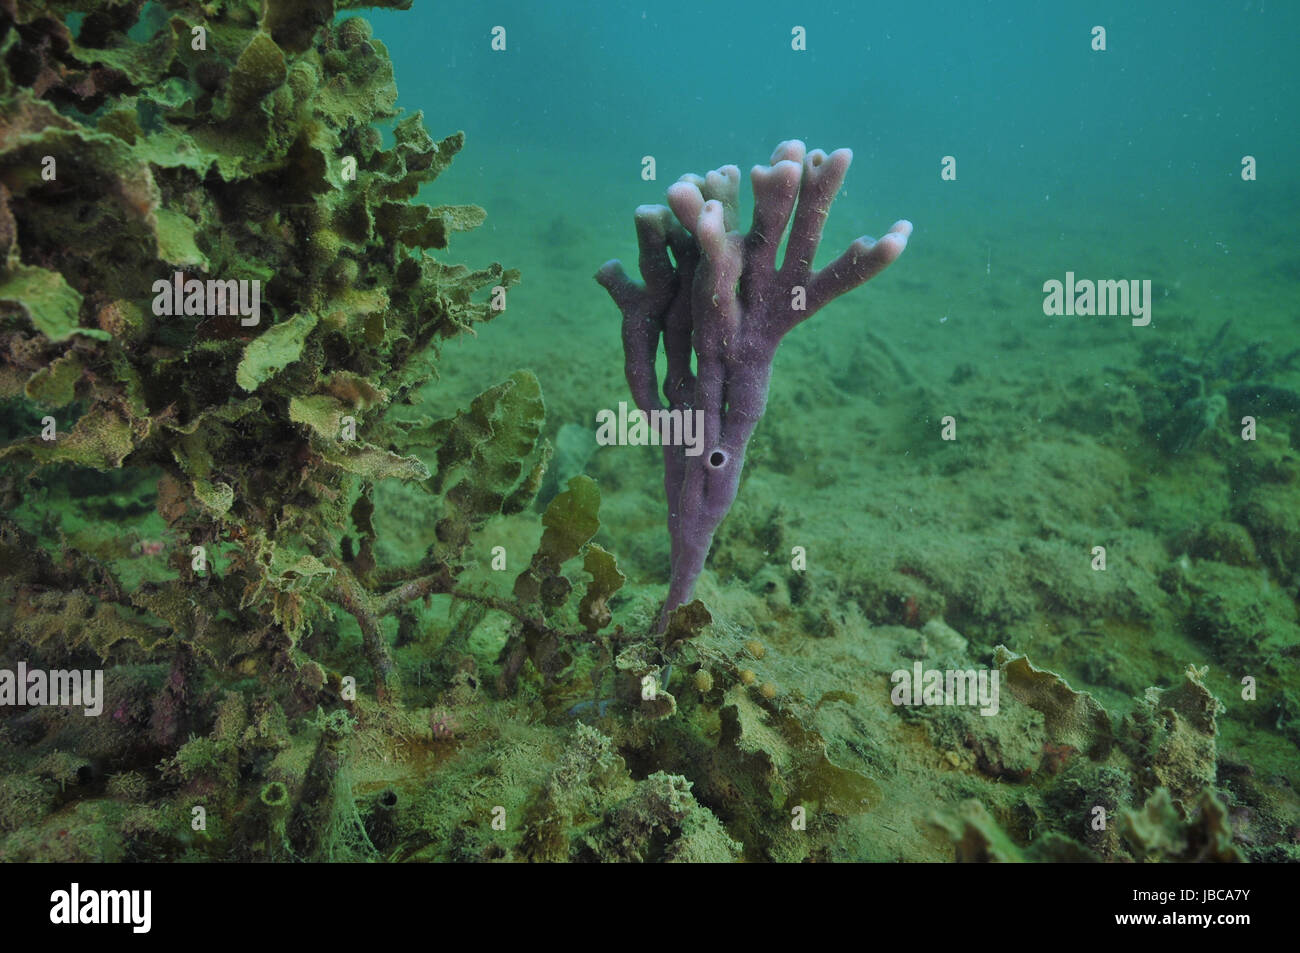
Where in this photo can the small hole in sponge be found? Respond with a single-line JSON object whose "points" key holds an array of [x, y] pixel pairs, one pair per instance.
{"points": [[717, 458]]}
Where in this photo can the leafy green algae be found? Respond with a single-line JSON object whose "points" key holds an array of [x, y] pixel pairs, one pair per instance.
{"points": [[274, 350], [236, 143]]}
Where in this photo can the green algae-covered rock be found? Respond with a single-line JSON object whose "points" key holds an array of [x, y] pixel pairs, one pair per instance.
{"points": [[215, 285]]}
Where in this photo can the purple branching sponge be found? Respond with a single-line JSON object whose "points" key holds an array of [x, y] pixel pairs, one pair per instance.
{"points": [[722, 296]]}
